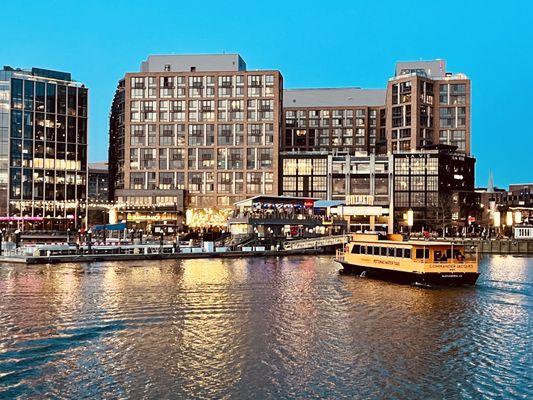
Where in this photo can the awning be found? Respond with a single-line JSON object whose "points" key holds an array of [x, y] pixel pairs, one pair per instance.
{"points": [[328, 203], [111, 227]]}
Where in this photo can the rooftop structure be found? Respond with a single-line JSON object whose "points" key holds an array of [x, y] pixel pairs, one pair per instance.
{"points": [[333, 97], [432, 69], [193, 63]]}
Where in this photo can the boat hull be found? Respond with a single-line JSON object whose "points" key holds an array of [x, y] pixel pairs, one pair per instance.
{"points": [[431, 278]]}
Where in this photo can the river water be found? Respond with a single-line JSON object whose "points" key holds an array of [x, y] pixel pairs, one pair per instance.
{"points": [[260, 328]]}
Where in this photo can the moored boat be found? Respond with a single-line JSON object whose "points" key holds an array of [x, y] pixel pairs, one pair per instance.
{"points": [[413, 261]]}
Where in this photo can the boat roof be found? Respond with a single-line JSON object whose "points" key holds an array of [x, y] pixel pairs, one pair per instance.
{"points": [[409, 242]]}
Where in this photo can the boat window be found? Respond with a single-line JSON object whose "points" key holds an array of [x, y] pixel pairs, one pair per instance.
{"points": [[356, 249], [369, 250], [383, 251], [407, 253], [422, 253], [376, 251], [456, 254], [363, 249], [437, 255], [399, 252], [391, 251]]}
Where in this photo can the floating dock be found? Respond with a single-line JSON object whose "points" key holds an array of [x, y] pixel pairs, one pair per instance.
{"points": [[95, 257]]}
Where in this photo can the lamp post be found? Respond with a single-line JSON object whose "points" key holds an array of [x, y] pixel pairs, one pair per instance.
{"points": [[68, 235], [89, 240], [17, 238]]}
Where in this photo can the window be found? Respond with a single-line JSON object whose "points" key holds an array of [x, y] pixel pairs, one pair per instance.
{"points": [[407, 253], [166, 135], [356, 249], [422, 253]]}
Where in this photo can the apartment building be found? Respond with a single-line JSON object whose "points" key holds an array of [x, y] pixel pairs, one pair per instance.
{"points": [[43, 149], [335, 120], [427, 105], [197, 124]]}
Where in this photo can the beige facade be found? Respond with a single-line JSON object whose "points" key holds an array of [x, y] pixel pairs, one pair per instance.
{"points": [[214, 134], [424, 110]]}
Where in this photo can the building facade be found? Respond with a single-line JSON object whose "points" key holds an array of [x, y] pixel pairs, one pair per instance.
{"points": [[426, 105], [201, 124], [437, 184], [337, 121], [98, 181], [43, 149], [325, 176]]}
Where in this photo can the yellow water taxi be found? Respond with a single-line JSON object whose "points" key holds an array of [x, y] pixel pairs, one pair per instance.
{"points": [[414, 261]]}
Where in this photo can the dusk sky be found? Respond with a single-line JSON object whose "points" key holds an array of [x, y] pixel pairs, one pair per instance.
{"points": [[313, 44]]}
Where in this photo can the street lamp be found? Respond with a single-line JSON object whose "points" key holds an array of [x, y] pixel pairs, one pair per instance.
{"points": [[89, 238], [17, 238]]}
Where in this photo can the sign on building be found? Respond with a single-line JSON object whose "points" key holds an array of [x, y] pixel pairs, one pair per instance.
{"points": [[359, 200]]}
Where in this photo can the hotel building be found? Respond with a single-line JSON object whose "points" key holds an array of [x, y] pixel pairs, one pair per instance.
{"points": [[43, 149], [196, 124]]}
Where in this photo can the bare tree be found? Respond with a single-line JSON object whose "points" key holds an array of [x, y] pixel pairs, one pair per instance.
{"points": [[443, 210]]}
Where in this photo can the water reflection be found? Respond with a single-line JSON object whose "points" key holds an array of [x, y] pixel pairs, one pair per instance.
{"points": [[261, 328]]}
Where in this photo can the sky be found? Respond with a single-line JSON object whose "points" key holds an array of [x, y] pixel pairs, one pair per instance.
{"points": [[312, 43]]}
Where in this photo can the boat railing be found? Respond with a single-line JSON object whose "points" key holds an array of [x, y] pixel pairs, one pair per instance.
{"points": [[339, 255]]}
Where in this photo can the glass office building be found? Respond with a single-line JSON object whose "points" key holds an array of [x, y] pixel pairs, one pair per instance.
{"points": [[43, 149]]}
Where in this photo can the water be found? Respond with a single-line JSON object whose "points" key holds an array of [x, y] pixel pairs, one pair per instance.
{"points": [[263, 329]]}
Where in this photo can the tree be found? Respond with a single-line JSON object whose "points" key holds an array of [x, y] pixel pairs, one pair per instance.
{"points": [[443, 210]]}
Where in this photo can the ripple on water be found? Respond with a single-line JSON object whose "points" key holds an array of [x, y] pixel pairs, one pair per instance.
{"points": [[261, 328]]}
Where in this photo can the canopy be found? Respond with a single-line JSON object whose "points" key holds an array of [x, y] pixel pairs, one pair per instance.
{"points": [[111, 227]]}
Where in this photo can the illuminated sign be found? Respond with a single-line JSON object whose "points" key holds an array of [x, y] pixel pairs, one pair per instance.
{"points": [[359, 199]]}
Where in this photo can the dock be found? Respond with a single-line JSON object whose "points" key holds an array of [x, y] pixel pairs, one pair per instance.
{"points": [[95, 257]]}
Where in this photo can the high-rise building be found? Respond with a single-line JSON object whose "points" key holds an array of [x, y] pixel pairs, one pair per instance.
{"points": [[43, 149], [427, 105], [199, 124]]}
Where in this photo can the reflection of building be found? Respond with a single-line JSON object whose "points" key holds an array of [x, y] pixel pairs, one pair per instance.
{"points": [[437, 184], [43, 149], [427, 105], [199, 123], [98, 181]]}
